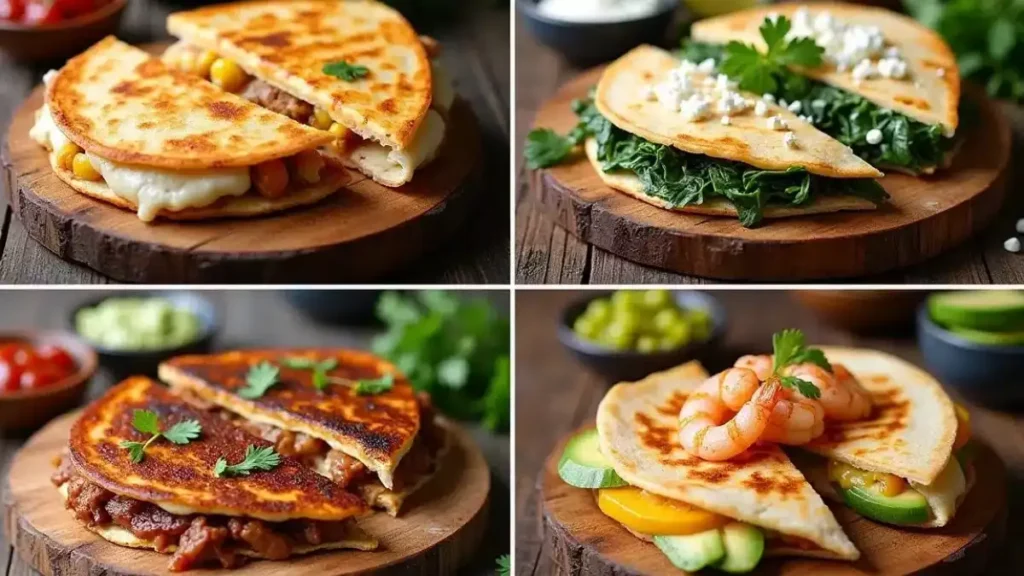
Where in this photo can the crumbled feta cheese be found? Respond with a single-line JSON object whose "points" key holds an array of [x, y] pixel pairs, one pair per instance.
{"points": [[794, 107], [783, 103], [864, 70], [892, 68], [769, 98], [695, 108], [846, 45], [760, 108], [1020, 225], [777, 123], [726, 121], [892, 52], [818, 104], [730, 102], [807, 119], [874, 136], [668, 95], [709, 82], [707, 66], [790, 140], [1012, 245]]}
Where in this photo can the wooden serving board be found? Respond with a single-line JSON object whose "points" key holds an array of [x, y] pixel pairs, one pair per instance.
{"points": [[925, 216], [439, 531], [360, 233], [583, 541]]}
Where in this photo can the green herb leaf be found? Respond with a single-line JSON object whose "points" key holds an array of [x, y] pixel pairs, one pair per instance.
{"points": [[504, 565], [135, 450], [146, 421], [370, 387], [807, 389], [255, 459], [763, 73], [183, 432], [260, 378], [453, 372], [813, 356], [320, 369], [299, 363], [787, 344], [1001, 39], [345, 71], [545, 148], [320, 380]]}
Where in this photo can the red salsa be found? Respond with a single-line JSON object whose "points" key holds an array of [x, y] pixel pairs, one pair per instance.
{"points": [[41, 12], [24, 366]]}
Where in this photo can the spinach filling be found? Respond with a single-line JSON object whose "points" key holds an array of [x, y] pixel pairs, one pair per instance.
{"points": [[906, 144], [682, 179]]}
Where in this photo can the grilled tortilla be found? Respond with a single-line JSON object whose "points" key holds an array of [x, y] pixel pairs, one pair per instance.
{"points": [[168, 144], [923, 95], [909, 434], [139, 504], [377, 430], [638, 429], [396, 111]]}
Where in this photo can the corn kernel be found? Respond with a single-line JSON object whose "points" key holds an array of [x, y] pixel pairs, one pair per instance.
{"points": [[84, 169], [338, 130], [228, 75], [308, 164], [321, 119], [66, 155], [204, 62]]}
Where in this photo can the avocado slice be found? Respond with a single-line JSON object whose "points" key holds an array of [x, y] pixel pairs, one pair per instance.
{"points": [[744, 546], [906, 509], [985, 310], [993, 338], [584, 466], [692, 552]]}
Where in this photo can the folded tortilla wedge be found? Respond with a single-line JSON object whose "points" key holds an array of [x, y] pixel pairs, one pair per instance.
{"points": [[624, 98], [393, 116], [382, 446], [638, 426], [173, 502], [929, 92], [166, 144], [910, 434]]}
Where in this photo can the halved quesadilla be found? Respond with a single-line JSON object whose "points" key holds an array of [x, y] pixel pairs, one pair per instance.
{"points": [[887, 86], [674, 135], [354, 68], [124, 128], [348, 415], [901, 465], [701, 513], [173, 496]]}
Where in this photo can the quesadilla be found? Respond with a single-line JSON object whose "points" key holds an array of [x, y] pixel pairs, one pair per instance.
{"points": [[123, 128], [674, 135], [170, 496], [887, 86], [904, 464], [354, 68], [700, 513], [348, 415]]}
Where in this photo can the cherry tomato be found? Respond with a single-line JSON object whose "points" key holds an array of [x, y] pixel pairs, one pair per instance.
{"points": [[57, 356], [37, 13], [39, 377], [10, 377], [12, 10]]}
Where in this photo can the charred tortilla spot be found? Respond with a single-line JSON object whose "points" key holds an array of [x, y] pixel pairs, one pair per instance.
{"points": [[674, 404], [227, 110], [918, 103], [388, 106], [276, 40], [196, 143], [778, 484], [150, 68], [129, 88], [661, 438]]}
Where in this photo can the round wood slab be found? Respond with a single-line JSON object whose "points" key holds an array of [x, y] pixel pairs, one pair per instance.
{"points": [[360, 233], [583, 541], [925, 216], [439, 530]]}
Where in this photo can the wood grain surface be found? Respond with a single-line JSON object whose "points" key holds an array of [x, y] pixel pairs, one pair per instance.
{"points": [[254, 320], [476, 52], [584, 541], [555, 395], [358, 234], [437, 533], [547, 253], [924, 217]]}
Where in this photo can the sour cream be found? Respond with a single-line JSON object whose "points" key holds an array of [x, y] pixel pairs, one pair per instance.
{"points": [[597, 10]]}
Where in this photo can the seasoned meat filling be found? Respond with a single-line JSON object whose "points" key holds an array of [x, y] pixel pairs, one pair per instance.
{"points": [[199, 539], [259, 92]]}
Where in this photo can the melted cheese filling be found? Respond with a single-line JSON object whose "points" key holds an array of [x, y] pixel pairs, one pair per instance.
{"points": [[397, 166], [944, 493]]}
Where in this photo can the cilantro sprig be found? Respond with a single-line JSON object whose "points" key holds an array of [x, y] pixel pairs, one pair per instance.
{"points": [[762, 72], [320, 369], [790, 347], [346, 71], [147, 422], [373, 386], [504, 563], [261, 377], [255, 459]]}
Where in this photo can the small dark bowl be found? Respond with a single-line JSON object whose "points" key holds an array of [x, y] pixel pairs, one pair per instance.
{"points": [[983, 373], [123, 363], [28, 409], [589, 43], [62, 40], [626, 366], [353, 307]]}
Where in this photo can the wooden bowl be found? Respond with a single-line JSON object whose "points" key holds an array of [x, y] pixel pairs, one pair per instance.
{"points": [[61, 40], [862, 310], [26, 409]]}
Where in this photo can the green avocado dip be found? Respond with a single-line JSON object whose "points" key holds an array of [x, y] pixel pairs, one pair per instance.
{"points": [[137, 324]]}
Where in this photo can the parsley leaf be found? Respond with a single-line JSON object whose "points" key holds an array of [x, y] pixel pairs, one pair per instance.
{"points": [[807, 389], [255, 459], [787, 344], [319, 368], [369, 387], [147, 422], [763, 72], [504, 565], [545, 148], [260, 378], [345, 71], [790, 348]]}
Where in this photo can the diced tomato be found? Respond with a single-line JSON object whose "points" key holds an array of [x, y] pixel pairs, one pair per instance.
{"points": [[42, 13], [39, 377], [12, 10], [10, 376], [73, 8], [55, 355]]}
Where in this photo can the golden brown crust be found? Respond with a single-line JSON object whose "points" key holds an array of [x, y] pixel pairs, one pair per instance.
{"points": [[180, 477], [122, 104]]}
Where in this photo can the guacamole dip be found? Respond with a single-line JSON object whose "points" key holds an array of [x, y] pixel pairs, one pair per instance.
{"points": [[137, 324]]}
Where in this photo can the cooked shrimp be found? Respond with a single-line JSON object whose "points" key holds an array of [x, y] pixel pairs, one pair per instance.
{"points": [[761, 364], [704, 431], [734, 386], [842, 397], [795, 420]]}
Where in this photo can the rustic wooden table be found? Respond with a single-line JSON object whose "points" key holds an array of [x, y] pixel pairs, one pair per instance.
{"points": [[476, 53], [548, 254], [254, 319], [555, 395]]}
